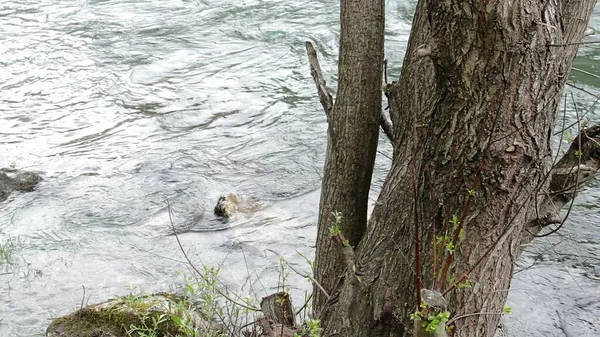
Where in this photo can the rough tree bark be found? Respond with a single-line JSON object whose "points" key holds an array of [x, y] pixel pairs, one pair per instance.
{"points": [[473, 115], [352, 134]]}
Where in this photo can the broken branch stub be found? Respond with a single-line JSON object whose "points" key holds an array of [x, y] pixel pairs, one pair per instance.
{"points": [[278, 309], [315, 70], [574, 170]]}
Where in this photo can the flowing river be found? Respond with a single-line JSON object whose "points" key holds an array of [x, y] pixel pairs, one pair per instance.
{"points": [[122, 105]]}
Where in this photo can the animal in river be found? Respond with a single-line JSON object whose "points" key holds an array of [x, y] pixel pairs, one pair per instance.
{"points": [[229, 204]]}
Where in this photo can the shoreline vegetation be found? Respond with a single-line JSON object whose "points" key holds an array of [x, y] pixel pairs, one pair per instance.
{"points": [[205, 308]]}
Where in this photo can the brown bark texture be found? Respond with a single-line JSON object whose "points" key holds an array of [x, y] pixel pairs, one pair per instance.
{"points": [[352, 135], [473, 115]]}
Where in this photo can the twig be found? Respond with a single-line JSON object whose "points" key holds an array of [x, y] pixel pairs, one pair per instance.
{"points": [[305, 303], [312, 279], [582, 89], [572, 44], [315, 71], [454, 319], [82, 297], [568, 177], [385, 71], [586, 72], [386, 126], [582, 115]]}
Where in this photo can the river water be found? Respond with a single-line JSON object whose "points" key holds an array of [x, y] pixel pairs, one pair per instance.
{"points": [[122, 105]]}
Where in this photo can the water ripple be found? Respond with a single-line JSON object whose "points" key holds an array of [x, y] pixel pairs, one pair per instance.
{"points": [[125, 104]]}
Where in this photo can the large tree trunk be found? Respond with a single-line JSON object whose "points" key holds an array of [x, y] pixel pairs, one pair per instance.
{"points": [[352, 135], [473, 115]]}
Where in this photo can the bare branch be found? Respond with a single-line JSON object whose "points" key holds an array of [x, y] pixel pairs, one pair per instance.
{"points": [[386, 124], [573, 44], [573, 171], [315, 71], [572, 85]]}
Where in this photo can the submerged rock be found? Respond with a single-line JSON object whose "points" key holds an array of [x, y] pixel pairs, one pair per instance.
{"points": [[146, 315], [19, 181]]}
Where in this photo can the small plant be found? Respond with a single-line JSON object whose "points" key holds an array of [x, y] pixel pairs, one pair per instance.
{"points": [[311, 328], [430, 322], [464, 284], [7, 251], [145, 329], [336, 228]]}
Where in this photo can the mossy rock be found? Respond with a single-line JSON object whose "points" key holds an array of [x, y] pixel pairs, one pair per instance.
{"points": [[17, 181], [131, 316]]}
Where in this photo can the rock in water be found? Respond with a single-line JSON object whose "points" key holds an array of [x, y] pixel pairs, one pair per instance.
{"points": [[133, 315], [19, 181]]}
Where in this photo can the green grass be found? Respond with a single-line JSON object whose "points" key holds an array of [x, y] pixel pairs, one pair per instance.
{"points": [[8, 247]]}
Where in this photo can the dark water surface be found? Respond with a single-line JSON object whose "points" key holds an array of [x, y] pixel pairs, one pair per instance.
{"points": [[121, 105]]}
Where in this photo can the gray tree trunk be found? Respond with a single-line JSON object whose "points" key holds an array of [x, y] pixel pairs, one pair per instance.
{"points": [[352, 135], [473, 115]]}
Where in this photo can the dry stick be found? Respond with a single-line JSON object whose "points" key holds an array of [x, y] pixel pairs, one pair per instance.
{"points": [[582, 89], [582, 115], [434, 255], [325, 97], [315, 71], [562, 133], [386, 124], [572, 44], [82, 297], [404, 256], [193, 266], [305, 304], [454, 319], [586, 72], [248, 271], [443, 244], [257, 277], [247, 325], [385, 71], [214, 306]]}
